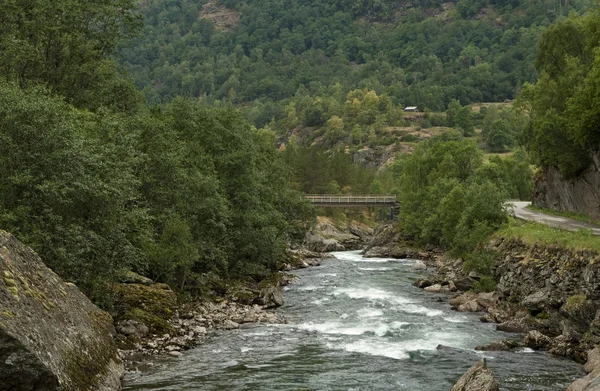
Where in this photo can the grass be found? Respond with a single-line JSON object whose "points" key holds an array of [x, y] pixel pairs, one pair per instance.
{"points": [[531, 232], [575, 216]]}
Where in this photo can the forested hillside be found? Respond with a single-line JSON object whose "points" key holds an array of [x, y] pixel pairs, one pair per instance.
{"points": [[259, 54], [99, 184]]}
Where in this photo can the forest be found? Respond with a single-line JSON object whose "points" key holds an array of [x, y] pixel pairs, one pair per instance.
{"points": [[98, 183], [156, 140]]}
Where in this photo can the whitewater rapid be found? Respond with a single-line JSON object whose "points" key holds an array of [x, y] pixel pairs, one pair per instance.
{"points": [[355, 324]]}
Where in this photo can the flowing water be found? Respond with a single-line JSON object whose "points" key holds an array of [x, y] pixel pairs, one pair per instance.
{"points": [[355, 324]]}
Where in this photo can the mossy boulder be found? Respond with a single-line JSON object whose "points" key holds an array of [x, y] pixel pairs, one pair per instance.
{"points": [[51, 336], [152, 305]]}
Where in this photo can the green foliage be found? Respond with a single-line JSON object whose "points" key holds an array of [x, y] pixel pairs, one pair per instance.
{"points": [[64, 45], [563, 105], [442, 202], [413, 53], [463, 121], [485, 284], [532, 233], [190, 189]]}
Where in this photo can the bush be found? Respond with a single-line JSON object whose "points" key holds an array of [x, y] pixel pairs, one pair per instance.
{"points": [[485, 284]]}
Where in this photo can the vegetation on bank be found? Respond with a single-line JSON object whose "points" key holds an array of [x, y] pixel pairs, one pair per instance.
{"points": [[535, 233], [450, 197], [563, 106], [99, 184]]}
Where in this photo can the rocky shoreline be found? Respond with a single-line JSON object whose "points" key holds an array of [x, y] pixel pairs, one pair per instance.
{"points": [[547, 294], [170, 330]]}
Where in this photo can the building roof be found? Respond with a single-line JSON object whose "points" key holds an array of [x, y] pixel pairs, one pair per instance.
{"points": [[410, 108]]}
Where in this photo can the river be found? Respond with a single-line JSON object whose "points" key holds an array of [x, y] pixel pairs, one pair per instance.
{"points": [[355, 324]]}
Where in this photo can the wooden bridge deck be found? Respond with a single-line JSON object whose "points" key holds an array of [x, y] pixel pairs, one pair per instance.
{"points": [[349, 201]]}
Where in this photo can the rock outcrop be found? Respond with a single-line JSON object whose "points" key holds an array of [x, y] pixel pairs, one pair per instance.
{"points": [[478, 378], [326, 236], [591, 382], [51, 336], [580, 195]]}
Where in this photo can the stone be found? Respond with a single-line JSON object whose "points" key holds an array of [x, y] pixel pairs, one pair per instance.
{"points": [[419, 265], [464, 283], [452, 286], [175, 354], [51, 336], [271, 296], [487, 299], [469, 306], [478, 378], [535, 301], [456, 301], [423, 283], [131, 277], [199, 330], [536, 340], [230, 325], [504, 345], [436, 288], [514, 326]]}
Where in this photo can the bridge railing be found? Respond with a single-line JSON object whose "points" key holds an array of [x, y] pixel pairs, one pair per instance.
{"points": [[350, 199]]}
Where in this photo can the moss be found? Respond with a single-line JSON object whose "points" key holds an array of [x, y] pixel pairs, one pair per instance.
{"points": [[575, 302], [543, 315], [81, 363], [155, 323], [8, 314], [10, 282], [13, 291]]}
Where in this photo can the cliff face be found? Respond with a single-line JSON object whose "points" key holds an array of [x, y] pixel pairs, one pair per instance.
{"points": [[580, 195], [557, 286], [51, 336]]}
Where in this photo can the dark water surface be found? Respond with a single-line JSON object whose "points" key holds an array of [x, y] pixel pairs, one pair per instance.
{"points": [[355, 324]]}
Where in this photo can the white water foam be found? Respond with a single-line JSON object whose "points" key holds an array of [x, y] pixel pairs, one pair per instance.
{"points": [[245, 349], [369, 313], [456, 319], [379, 329], [374, 269], [320, 301], [370, 294], [309, 288]]}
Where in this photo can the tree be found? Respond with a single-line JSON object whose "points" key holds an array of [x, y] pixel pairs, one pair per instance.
{"points": [[463, 121]]}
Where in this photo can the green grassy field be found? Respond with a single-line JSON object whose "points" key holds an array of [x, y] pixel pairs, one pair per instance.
{"points": [[531, 232]]}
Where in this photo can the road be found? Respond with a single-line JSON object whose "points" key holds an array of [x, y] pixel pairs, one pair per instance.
{"points": [[519, 209]]}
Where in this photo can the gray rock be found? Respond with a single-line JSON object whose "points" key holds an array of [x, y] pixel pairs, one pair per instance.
{"points": [[504, 345], [49, 331], [478, 378], [580, 195], [469, 306], [419, 265], [536, 301], [130, 277], [271, 297], [536, 340], [436, 288], [230, 325]]}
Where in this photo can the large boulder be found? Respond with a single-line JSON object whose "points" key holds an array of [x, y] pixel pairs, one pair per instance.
{"points": [[478, 378], [270, 296], [591, 382], [51, 336]]}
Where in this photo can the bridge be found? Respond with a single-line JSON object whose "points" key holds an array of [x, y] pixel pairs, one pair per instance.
{"points": [[352, 201]]}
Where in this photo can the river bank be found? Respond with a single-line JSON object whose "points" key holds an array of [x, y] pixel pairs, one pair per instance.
{"points": [[548, 295], [353, 323]]}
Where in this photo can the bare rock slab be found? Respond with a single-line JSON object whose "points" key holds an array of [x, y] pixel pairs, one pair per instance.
{"points": [[478, 378], [51, 336]]}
